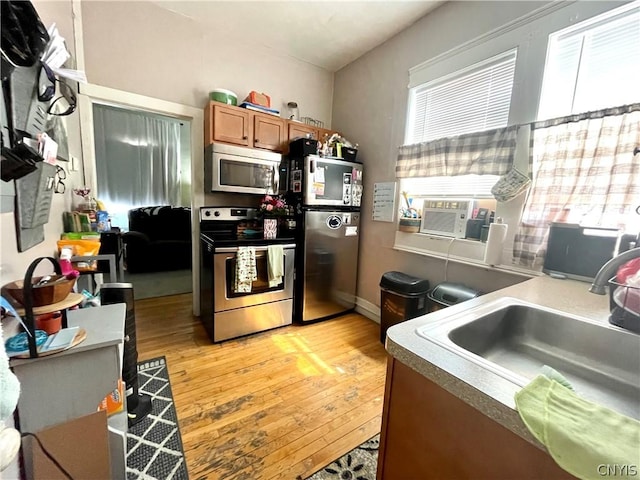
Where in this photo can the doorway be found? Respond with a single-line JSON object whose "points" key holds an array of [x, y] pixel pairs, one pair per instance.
{"points": [[192, 187]]}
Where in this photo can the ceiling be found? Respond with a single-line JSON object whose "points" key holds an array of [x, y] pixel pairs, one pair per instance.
{"points": [[328, 34]]}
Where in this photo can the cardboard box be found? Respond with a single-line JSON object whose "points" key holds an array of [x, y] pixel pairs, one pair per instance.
{"points": [[80, 445]]}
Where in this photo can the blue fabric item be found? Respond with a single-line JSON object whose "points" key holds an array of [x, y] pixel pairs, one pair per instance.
{"points": [[258, 107]]}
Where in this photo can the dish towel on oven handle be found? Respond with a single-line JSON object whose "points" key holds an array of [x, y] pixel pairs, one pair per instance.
{"points": [[275, 264], [246, 271]]}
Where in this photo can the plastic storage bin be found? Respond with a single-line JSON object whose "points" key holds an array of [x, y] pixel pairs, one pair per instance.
{"points": [[402, 297]]}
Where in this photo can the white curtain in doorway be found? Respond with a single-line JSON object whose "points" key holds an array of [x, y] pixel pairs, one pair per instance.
{"points": [[137, 158]]}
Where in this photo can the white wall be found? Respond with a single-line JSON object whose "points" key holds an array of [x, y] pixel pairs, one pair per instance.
{"points": [[141, 48], [369, 106]]}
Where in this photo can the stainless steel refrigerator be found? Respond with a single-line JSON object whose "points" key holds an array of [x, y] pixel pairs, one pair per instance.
{"points": [[328, 192]]}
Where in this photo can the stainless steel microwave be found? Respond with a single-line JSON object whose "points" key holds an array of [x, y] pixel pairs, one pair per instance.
{"points": [[326, 181], [228, 168]]}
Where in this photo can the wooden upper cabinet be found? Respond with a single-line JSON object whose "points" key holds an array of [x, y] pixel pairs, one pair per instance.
{"points": [[297, 130], [239, 126], [268, 132], [226, 123]]}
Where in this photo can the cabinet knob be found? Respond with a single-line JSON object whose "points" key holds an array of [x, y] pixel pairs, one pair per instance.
{"points": [[256, 141], [245, 137]]}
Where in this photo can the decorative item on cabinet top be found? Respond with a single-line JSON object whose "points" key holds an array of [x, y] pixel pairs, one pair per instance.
{"points": [[223, 96], [261, 99]]}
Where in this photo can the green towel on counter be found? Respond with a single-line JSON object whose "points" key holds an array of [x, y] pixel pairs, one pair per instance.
{"points": [[584, 438]]}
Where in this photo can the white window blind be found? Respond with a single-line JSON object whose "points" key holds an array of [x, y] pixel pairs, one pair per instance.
{"points": [[473, 99], [593, 65], [467, 186]]}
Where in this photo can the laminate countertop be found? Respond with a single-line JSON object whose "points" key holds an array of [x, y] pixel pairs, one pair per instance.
{"points": [[484, 390]]}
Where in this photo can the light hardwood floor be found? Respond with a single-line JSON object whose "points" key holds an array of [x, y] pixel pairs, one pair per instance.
{"points": [[275, 405]]}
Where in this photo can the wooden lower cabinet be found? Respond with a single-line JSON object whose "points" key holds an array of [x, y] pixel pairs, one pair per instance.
{"points": [[428, 433]]}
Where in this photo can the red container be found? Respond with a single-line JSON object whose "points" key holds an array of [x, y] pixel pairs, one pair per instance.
{"points": [[49, 322], [258, 99]]}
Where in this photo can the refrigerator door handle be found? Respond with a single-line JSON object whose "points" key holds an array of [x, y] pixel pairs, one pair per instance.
{"points": [[276, 179], [312, 166]]}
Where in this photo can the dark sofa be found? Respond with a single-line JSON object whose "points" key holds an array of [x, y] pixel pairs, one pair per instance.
{"points": [[159, 239]]}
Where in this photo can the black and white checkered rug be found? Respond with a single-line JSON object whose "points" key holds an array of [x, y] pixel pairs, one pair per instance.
{"points": [[154, 445]]}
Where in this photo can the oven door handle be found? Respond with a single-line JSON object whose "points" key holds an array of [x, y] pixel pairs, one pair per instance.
{"points": [[258, 249]]}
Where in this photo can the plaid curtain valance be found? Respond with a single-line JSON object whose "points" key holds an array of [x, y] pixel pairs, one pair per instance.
{"points": [[480, 153], [586, 173]]}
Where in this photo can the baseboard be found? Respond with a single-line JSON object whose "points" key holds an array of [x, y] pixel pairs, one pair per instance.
{"points": [[368, 309]]}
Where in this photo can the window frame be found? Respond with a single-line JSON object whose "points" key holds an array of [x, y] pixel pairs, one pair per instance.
{"points": [[530, 35]]}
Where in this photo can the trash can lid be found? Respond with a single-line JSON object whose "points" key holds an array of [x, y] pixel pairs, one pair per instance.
{"points": [[405, 284], [447, 293]]}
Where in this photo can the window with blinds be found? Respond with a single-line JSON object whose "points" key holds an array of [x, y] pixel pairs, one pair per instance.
{"points": [[473, 99], [467, 186], [593, 65]]}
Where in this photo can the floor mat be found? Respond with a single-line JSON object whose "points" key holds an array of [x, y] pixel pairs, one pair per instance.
{"points": [[154, 445], [359, 464]]}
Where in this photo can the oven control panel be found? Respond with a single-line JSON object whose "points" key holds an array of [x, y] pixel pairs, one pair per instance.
{"points": [[227, 213]]}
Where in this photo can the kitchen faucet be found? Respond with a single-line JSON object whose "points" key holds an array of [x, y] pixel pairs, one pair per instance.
{"points": [[609, 269]]}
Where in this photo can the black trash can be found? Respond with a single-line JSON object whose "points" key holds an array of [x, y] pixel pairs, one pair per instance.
{"points": [[446, 294], [402, 297]]}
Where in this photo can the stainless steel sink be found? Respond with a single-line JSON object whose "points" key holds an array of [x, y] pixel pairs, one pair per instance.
{"points": [[515, 339]]}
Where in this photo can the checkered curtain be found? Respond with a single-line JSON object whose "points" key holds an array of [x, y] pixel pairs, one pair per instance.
{"points": [[585, 172], [480, 153]]}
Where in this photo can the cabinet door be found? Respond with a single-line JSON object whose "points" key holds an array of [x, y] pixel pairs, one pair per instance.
{"points": [[268, 132], [297, 130], [231, 125]]}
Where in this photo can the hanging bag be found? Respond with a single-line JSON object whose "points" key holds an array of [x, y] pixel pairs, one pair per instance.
{"points": [[24, 37]]}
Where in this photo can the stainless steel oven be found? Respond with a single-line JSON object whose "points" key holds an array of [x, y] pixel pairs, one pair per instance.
{"points": [[226, 312], [229, 168]]}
